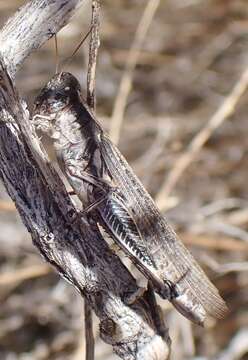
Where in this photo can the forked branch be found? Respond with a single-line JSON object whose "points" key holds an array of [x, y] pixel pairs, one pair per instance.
{"points": [[76, 249]]}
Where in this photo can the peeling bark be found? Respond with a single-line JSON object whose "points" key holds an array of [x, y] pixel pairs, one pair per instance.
{"points": [[75, 248]]}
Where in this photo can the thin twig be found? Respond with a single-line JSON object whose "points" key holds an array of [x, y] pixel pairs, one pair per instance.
{"points": [[20, 275], [89, 335], [225, 110], [7, 206], [91, 100], [224, 268], [93, 51], [237, 348], [126, 81], [212, 242]]}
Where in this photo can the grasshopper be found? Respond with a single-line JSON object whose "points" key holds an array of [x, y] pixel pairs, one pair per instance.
{"points": [[114, 198]]}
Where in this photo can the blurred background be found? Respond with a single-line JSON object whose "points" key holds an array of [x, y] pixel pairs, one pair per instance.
{"points": [[193, 54]]}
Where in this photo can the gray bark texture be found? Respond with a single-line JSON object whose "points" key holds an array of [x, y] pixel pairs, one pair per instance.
{"points": [[75, 248]]}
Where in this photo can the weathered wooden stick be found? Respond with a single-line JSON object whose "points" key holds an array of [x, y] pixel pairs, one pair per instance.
{"points": [[75, 249], [35, 23]]}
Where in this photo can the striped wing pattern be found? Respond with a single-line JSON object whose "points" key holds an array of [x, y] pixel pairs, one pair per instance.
{"points": [[173, 258], [117, 221], [122, 226]]}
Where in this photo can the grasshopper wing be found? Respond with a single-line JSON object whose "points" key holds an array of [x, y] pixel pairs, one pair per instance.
{"points": [[119, 223], [197, 295]]}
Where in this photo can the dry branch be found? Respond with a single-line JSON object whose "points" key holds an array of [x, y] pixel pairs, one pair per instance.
{"points": [[91, 100], [28, 29], [224, 111], [17, 276], [93, 50], [89, 335], [132, 58], [76, 249]]}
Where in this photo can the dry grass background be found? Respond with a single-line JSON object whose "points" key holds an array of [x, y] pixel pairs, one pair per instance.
{"points": [[184, 130]]}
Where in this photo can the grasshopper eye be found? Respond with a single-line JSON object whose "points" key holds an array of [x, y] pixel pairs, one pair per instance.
{"points": [[55, 101], [58, 97]]}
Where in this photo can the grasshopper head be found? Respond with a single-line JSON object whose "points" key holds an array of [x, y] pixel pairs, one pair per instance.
{"points": [[59, 93], [62, 90]]}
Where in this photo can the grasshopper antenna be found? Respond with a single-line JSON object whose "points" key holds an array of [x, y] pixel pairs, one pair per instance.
{"points": [[67, 61], [56, 54]]}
